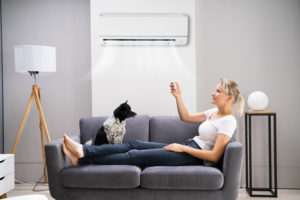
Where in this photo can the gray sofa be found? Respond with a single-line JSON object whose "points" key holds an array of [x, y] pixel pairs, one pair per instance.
{"points": [[219, 181]]}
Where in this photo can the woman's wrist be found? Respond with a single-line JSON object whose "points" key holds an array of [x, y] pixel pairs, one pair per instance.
{"points": [[179, 97], [185, 148]]}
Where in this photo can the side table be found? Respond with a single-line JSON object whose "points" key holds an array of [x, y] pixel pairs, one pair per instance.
{"points": [[7, 174], [249, 187]]}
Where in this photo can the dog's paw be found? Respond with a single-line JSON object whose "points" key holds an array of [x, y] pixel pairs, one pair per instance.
{"points": [[89, 142]]}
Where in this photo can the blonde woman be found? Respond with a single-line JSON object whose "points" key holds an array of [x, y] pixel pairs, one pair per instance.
{"points": [[217, 126]]}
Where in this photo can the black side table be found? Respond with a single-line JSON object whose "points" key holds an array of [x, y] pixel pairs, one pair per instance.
{"points": [[270, 114]]}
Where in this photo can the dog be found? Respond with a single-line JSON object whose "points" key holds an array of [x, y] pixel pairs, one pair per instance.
{"points": [[113, 129]]}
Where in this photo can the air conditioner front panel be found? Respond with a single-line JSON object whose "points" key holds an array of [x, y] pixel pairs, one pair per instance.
{"points": [[143, 26]]}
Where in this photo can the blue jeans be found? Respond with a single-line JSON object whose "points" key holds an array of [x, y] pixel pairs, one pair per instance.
{"points": [[138, 153]]}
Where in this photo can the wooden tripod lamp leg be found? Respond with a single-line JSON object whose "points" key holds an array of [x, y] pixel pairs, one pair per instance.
{"points": [[39, 106], [43, 153], [23, 123], [42, 141]]}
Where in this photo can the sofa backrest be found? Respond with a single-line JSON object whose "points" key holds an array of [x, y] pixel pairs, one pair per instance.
{"points": [[163, 129], [169, 129], [136, 128]]}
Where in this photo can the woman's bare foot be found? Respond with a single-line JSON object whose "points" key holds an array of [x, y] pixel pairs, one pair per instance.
{"points": [[73, 158], [75, 148]]}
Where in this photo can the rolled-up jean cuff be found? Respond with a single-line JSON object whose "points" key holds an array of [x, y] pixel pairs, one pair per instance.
{"points": [[84, 150], [81, 161]]}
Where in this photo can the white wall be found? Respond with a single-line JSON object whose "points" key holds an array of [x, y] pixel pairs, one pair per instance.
{"points": [[257, 44], [142, 74]]}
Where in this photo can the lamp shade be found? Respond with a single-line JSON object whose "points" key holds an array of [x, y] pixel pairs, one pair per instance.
{"points": [[258, 100], [35, 58]]}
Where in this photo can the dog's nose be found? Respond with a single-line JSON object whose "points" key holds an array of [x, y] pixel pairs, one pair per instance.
{"points": [[133, 114]]}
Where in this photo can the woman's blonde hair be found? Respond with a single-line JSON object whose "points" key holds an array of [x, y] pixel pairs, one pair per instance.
{"points": [[232, 88]]}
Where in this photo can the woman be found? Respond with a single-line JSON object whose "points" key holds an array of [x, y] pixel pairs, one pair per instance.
{"points": [[217, 125]]}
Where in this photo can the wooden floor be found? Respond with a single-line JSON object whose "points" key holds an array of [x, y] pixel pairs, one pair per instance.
{"points": [[26, 189]]}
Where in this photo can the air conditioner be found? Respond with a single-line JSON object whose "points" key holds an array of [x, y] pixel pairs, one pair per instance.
{"points": [[143, 29]]}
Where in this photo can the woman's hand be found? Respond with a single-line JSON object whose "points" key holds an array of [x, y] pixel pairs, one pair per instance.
{"points": [[175, 147], [175, 89]]}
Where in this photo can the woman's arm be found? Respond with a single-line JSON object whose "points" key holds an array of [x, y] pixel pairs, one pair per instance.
{"points": [[182, 111], [211, 155]]}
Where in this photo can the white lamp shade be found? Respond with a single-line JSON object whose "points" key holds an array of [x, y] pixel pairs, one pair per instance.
{"points": [[258, 100], [35, 58]]}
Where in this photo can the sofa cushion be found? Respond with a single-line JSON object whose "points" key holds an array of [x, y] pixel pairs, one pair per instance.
{"points": [[166, 129], [101, 176], [182, 177], [136, 128]]}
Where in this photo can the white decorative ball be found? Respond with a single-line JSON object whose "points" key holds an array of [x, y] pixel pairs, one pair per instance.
{"points": [[258, 100]]}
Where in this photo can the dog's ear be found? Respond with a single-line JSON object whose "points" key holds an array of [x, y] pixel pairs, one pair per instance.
{"points": [[126, 101], [123, 112]]}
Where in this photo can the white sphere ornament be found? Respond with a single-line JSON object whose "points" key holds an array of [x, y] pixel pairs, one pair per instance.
{"points": [[258, 100]]}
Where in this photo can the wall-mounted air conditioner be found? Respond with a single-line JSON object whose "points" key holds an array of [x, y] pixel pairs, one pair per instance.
{"points": [[143, 29]]}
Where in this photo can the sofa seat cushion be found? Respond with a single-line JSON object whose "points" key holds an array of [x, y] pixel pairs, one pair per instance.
{"points": [[101, 176], [182, 177]]}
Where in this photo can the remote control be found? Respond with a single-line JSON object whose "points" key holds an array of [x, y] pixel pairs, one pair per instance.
{"points": [[174, 85]]}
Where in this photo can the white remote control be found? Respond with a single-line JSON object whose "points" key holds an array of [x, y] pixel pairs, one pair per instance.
{"points": [[174, 85]]}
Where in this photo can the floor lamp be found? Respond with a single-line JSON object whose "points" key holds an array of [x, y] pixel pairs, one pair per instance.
{"points": [[35, 60]]}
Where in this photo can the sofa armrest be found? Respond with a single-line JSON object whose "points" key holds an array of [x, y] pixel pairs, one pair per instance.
{"points": [[56, 161], [232, 165]]}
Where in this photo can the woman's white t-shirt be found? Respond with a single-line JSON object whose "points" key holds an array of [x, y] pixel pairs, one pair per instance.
{"points": [[210, 128]]}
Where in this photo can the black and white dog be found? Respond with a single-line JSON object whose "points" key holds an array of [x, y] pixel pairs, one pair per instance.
{"points": [[113, 129]]}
